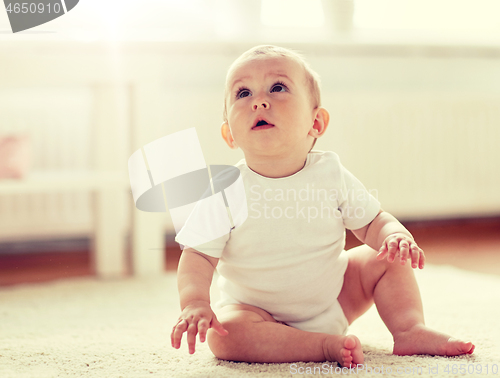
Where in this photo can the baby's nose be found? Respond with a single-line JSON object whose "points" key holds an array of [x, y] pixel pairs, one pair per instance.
{"points": [[261, 104]]}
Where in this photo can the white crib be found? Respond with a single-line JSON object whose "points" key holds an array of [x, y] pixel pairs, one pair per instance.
{"points": [[80, 116]]}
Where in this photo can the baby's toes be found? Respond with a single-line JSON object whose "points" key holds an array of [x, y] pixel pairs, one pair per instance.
{"points": [[346, 358], [353, 345], [467, 347], [346, 350], [471, 350], [456, 347]]}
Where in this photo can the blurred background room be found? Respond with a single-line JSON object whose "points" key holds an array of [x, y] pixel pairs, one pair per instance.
{"points": [[412, 87]]}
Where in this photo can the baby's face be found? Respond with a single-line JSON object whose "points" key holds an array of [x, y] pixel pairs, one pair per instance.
{"points": [[269, 105]]}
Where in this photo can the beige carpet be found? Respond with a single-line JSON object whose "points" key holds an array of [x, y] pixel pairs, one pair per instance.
{"points": [[92, 328]]}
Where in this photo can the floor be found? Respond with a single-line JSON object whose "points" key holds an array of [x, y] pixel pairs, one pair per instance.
{"points": [[472, 244]]}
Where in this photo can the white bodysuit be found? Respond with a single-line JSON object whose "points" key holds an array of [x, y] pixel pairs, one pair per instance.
{"points": [[287, 257]]}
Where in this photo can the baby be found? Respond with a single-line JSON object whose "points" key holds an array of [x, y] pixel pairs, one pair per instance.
{"points": [[288, 288]]}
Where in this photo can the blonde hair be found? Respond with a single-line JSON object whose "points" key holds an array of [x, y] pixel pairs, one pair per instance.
{"points": [[274, 51]]}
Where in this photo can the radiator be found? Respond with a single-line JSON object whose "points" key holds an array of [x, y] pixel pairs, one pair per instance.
{"points": [[426, 155]]}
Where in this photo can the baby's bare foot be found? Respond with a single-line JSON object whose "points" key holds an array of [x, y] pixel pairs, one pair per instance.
{"points": [[423, 340], [346, 350]]}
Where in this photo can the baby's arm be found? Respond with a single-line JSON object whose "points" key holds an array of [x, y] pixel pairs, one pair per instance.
{"points": [[388, 236], [194, 277]]}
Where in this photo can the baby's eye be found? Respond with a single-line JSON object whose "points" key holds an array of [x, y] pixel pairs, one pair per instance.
{"points": [[278, 87], [243, 93]]}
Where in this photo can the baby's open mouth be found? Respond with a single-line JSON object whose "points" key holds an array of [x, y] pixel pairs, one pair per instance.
{"points": [[261, 125]]}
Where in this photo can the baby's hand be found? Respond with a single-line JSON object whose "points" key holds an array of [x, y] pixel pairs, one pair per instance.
{"points": [[197, 317], [406, 246]]}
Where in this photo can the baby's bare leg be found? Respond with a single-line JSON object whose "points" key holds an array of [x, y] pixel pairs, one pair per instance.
{"points": [[395, 292], [255, 336]]}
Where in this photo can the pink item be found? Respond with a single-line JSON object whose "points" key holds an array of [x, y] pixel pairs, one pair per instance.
{"points": [[14, 156]]}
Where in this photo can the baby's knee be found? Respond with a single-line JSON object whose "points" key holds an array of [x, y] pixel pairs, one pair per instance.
{"points": [[238, 324], [221, 345]]}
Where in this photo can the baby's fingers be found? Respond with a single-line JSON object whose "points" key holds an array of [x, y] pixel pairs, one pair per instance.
{"points": [[217, 327], [177, 332], [382, 252], [421, 260], [203, 326], [417, 256], [191, 337], [393, 247], [404, 249]]}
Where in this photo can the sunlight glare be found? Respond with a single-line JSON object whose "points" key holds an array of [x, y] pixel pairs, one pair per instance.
{"points": [[427, 14], [292, 13]]}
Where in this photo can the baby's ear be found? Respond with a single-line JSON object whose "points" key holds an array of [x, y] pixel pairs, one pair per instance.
{"points": [[321, 121], [227, 136]]}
